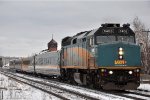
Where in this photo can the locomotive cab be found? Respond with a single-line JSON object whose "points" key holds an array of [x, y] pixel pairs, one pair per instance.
{"points": [[118, 57]]}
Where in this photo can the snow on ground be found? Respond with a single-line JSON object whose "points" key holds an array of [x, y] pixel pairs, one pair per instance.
{"points": [[85, 91], [34, 94], [12, 90], [144, 87], [97, 94]]}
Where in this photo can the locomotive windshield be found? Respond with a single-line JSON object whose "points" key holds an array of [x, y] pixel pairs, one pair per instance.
{"points": [[105, 39], [126, 38], [108, 39]]}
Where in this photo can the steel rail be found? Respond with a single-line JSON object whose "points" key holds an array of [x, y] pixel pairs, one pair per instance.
{"points": [[61, 88], [117, 93]]}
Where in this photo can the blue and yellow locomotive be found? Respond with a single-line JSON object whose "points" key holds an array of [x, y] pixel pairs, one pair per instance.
{"points": [[107, 58]]}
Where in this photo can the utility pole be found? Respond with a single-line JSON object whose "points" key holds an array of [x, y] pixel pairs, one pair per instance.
{"points": [[34, 62]]}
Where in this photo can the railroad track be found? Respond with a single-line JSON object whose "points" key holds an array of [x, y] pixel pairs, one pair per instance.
{"points": [[145, 95], [133, 94], [61, 91], [138, 94], [32, 83]]}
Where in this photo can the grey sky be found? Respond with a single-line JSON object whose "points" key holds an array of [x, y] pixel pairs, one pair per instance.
{"points": [[27, 26]]}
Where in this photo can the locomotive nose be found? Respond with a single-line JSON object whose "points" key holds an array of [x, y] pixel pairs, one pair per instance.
{"points": [[118, 54]]}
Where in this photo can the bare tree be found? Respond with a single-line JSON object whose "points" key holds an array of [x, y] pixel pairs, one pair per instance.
{"points": [[143, 40], [148, 58]]}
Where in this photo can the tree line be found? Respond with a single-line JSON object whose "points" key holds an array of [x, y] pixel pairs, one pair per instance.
{"points": [[143, 39]]}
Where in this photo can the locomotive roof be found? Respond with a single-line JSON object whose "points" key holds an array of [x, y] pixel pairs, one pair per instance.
{"points": [[67, 40], [92, 32], [85, 34], [81, 35]]}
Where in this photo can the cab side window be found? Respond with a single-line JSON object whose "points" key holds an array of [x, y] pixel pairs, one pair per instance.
{"points": [[91, 41], [75, 41]]}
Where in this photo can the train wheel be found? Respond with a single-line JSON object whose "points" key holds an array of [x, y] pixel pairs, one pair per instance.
{"points": [[63, 75]]}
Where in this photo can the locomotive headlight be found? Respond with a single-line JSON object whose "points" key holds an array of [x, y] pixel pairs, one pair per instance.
{"points": [[110, 72], [120, 49], [137, 70], [130, 72], [102, 70], [121, 52], [120, 57]]}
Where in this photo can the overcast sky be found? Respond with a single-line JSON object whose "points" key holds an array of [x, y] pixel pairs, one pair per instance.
{"points": [[27, 26]]}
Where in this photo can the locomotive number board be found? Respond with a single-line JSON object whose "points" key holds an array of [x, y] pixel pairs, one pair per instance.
{"points": [[114, 31]]}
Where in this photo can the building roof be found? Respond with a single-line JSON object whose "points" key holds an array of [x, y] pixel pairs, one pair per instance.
{"points": [[52, 42]]}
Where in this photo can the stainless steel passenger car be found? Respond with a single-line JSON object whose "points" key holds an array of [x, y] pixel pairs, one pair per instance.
{"points": [[46, 63]]}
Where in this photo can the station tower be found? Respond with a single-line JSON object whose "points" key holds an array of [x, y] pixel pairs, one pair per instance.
{"points": [[52, 45]]}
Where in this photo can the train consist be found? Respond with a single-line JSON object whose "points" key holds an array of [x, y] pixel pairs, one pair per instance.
{"points": [[106, 57]]}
